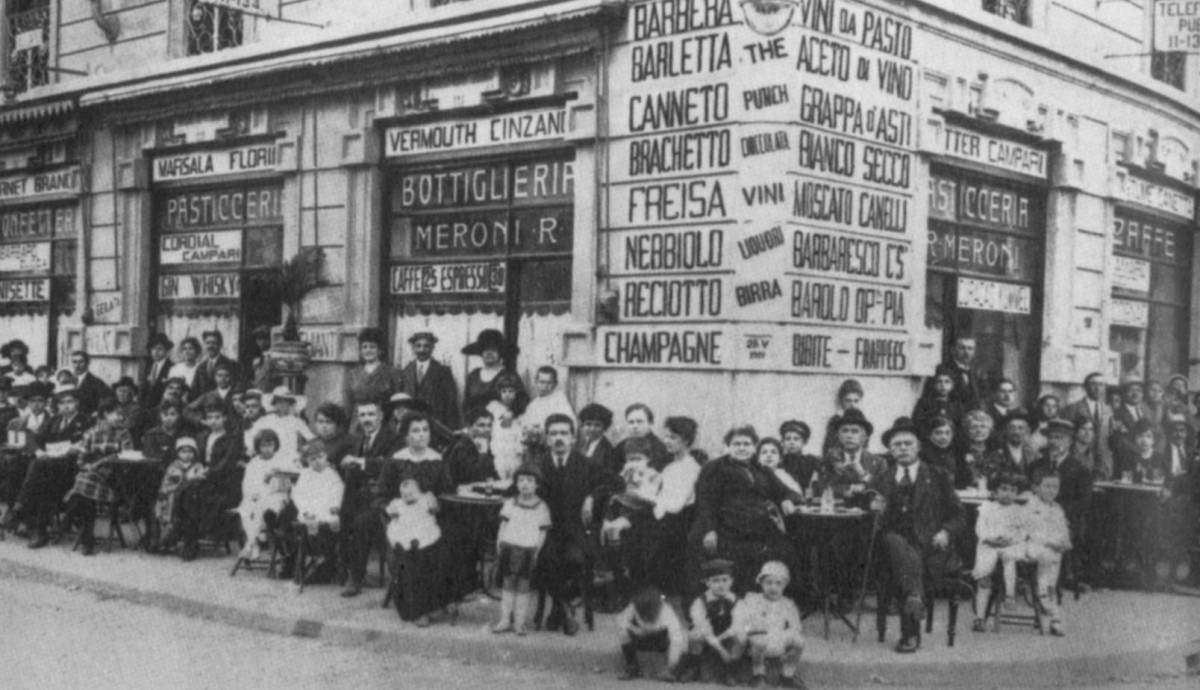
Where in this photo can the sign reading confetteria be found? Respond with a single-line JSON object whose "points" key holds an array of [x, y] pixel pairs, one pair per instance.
{"points": [[484, 277], [191, 248], [994, 151], [192, 165], [259, 8], [463, 134], [38, 185], [1136, 190], [200, 286], [24, 257], [25, 290]]}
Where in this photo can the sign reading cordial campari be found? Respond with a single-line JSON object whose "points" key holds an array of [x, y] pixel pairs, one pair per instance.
{"points": [[761, 187]]}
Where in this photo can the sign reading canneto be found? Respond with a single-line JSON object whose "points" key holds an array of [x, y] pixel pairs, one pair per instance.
{"points": [[472, 133]]}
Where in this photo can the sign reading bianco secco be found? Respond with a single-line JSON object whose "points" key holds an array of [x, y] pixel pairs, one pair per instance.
{"points": [[200, 286], [521, 127], [27, 290], [201, 247], [193, 165], [439, 279], [762, 180], [32, 186]]}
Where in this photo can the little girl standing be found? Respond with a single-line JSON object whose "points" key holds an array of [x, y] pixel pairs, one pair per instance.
{"points": [[524, 521], [263, 492], [507, 432]]}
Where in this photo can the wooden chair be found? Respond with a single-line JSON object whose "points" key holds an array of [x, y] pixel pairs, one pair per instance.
{"points": [[952, 587], [1027, 591]]}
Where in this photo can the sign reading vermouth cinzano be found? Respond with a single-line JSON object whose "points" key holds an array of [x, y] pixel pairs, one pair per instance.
{"points": [[201, 164], [478, 132]]}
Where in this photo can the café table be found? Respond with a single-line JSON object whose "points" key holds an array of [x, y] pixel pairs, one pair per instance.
{"points": [[475, 509], [1127, 504], [133, 472], [816, 532]]}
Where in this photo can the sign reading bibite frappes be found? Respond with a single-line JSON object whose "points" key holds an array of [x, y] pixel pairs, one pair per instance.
{"points": [[762, 179]]}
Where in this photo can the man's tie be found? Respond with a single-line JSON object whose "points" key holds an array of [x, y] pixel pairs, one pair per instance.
{"points": [[906, 480], [420, 373]]}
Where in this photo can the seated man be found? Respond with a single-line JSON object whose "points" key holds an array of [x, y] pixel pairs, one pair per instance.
{"points": [[470, 454], [848, 466], [362, 510], [921, 514]]}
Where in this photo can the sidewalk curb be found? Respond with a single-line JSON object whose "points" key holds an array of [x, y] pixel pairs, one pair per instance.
{"points": [[519, 653]]}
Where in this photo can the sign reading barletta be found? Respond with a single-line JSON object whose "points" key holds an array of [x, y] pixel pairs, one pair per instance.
{"points": [[200, 286], [989, 150], [37, 185], [201, 164], [201, 247], [32, 290], [479, 278], [259, 8], [472, 133]]}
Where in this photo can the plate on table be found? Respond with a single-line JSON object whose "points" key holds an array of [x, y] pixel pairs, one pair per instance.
{"points": [[131, 456]]}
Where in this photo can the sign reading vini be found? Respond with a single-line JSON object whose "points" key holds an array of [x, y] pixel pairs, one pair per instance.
{"points": [[200, 164], [473, 133]]}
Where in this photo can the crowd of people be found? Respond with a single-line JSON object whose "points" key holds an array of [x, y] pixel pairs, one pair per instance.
{"points": [[702, 556]]}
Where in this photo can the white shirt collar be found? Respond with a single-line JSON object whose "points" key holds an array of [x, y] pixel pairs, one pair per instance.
{"points": [[912, 471]]}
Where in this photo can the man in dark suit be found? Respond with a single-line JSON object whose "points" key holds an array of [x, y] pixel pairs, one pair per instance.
{"points": [[1131, 411], [427, 379], [1093, 406], [920, 516], [1075, 482], [158, 370], [223, 393], [29, 426], [571, 484], [91, 390], [970, 385], [206, 375], [362, 507]]}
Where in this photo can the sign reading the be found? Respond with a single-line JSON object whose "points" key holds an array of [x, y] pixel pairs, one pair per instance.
{"points": [[38, 185], [200, 286], [201, 247], [485, 278], [465, 134], [200, 164], [31, 290]]}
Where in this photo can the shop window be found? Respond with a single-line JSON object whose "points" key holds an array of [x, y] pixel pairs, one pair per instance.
{"points": [[1168, 67], [1012, 10], [28, 26], [211, 28]]}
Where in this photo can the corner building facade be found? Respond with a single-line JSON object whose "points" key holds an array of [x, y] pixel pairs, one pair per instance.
{"points": [[704, 205]]}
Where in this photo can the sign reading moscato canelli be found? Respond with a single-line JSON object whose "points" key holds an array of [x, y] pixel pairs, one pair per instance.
{"points": [[37, 185], [201, 164], [471, 133]]}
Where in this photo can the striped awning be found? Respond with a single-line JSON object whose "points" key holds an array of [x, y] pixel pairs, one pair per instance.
{"points": [[35, 111]]}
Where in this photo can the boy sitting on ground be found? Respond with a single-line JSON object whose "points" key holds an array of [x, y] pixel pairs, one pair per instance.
{"points": [[1001, 539], [647, 625], [713, 641], [768, 624]]}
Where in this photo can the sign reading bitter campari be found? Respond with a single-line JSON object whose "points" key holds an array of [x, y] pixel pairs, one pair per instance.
{"points": [[760, 202]]}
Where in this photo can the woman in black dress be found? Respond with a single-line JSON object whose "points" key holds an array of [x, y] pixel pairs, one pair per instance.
{"points": [[497, 355]]}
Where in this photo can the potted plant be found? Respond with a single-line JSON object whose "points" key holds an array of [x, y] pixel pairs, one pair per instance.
{"points": [[294, 279]]}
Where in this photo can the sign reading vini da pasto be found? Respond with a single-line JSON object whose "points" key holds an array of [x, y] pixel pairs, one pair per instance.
{"points": [[760, 202]]}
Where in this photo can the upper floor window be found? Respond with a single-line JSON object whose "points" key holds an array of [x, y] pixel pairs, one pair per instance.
{"points": [[1168, 67], [28, 27], [1012, 10], [211, 28]]}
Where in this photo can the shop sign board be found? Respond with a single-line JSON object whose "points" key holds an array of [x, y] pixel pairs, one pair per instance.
{"points": [[1131, 274], [24, 257], [37, 223], [1135, 190], [466, 134], [992, 151], [1130, 313], [192, 248], [191, 165], [987, 295], [32, 186], [1176, 25], [25, 290], [258, 8], [200, 286], [476, 278]]}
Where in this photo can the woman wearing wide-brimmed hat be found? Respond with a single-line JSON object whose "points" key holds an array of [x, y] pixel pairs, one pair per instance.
{"points": [[374, 379], [491, 347]]}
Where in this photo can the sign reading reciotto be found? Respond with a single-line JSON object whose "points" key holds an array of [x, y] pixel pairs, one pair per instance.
{"points": [[478, 132], [223, 246], [201, 164]]}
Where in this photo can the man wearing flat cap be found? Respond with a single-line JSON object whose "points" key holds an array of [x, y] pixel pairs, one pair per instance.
{"points": [[427, 379], [1075, 481]]}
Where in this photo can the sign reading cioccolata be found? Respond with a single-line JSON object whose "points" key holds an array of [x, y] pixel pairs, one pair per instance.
{"points": [[1176, 25], [477, 132], [200, 164]]}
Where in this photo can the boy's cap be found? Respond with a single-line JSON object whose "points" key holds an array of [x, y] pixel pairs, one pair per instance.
{"points": [[716, 566], [186, 442], [1060, 426], [773, 569]]}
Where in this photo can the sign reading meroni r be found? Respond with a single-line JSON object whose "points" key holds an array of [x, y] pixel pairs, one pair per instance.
{"points": [[199, 164], [473, 133]]}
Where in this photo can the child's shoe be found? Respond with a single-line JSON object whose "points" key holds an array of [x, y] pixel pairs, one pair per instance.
{"points": [[1010, 604], [1056, 629], [979, 625], [521, 630], [502, 627]]}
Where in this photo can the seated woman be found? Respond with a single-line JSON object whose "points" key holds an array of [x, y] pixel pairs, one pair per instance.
{"points": [[770, 456], [802, 467], [93, 483], [185, 466], [470, 454], [1047, 408], [740, 507], [976, 449], [940, 448], [330, 424]]}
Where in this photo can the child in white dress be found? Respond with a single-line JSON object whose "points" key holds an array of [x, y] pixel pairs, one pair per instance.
{"points": [[417, 552], [1001, 535], [263, 492], [768, 625], [1049, 539], [507, 431]]}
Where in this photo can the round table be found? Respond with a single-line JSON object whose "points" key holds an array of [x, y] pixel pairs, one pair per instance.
{"points": [[816, 530], [477, 513], [1130, 503], [134, 475]]}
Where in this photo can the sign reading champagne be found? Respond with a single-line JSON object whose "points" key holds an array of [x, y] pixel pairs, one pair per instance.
{"points": [[762, 179]]}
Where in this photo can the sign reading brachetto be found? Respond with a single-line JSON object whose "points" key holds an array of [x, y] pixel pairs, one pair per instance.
{"points": [[761, 189]]}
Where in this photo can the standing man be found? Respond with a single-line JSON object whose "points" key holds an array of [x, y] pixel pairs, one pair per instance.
{"points": [[549, 399], [158, 370], [1015, 453], [206, 375], [1004, 402], [90, 389], [919, 517], [572, 481], [969, 384], [1095, 407], [427, 379]]}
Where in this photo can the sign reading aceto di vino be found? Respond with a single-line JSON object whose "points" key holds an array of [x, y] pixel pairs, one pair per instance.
{"points": [[762, 174]]}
